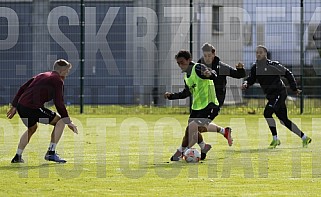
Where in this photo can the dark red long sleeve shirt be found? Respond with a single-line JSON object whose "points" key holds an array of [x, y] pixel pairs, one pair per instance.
{"points": [[40, 89]]}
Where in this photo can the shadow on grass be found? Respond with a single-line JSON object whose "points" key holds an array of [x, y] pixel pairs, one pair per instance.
{"points": [[255, 150], [266, 150], [25, 166]]}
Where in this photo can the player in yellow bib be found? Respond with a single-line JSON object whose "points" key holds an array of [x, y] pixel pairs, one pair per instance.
{"points": [[205, 107], [202, 90]]}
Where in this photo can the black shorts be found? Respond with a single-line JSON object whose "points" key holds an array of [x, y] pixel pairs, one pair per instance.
{"points": [[276, 101], [204, 116], [30, 116]]}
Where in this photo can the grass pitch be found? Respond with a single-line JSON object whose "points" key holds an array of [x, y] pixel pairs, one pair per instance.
{"points": [[128, 155]]}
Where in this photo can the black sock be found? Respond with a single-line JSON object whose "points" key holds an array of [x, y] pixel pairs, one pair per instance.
{"points": [[273, 131], [51, 152]]}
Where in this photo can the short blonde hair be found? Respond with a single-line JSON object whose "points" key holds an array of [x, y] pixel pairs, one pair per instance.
{"points": [[61, 64]]}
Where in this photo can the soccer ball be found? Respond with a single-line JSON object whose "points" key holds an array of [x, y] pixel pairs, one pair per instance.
{"points": [[192, 155]]}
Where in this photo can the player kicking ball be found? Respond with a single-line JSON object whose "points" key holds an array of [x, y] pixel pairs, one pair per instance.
{"points": [[205, 107]]}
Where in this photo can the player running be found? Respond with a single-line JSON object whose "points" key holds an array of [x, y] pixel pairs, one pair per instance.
{"points": [[268, 74]]}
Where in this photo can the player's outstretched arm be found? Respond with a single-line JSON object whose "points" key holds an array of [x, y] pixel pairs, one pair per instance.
{"points": [[240, 65], [237, 72], [178, 95]]}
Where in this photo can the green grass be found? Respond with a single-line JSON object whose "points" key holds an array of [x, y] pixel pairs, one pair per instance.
{"points": [[249, 106], [128, 155]]}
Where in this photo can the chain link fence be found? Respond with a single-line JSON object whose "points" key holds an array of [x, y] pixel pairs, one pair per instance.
{"points": [[123, 51]]}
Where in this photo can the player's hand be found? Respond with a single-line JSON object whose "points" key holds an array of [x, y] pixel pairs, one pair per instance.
{"points": [[11, 112], [167, 95], [239, 66], [298, 92], [207, 73], [73, 127], [244, 85]]}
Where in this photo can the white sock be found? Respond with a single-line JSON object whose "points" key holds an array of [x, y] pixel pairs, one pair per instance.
{"points": [[202, 145], [222, 131], [304, 137], [19, 151], [52, 146], [275, 137]]}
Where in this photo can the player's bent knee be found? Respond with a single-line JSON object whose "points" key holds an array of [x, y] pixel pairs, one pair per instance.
{"points": [[192, 126], [33, 128], [202, 129], [55, 120]]}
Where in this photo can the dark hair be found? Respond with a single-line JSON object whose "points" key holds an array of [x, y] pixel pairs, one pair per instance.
{"points": [[262, 47], [184, 54], [208, 48]]}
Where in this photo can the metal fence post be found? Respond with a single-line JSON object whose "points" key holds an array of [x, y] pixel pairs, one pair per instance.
{"points": [[82, 53], [302, 57]]}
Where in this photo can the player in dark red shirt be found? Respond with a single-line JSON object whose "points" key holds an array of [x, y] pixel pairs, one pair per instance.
{"points": [[29, 102]]}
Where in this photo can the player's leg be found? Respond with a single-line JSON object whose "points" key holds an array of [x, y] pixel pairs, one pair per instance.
{"points": [[268, 112], [192, 134], [211, 112], [26, 136], [185, 142], [58, 129], [281, 112], [46, 116], [200, 139], [190, 138], [179, 152], [29, 119], [56, 134], [198, 122], [206, 117], [284, 120], [24, 140], [226, 132]]}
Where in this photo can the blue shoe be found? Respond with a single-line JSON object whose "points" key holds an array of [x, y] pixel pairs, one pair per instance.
{"points": [[54, 157]]}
